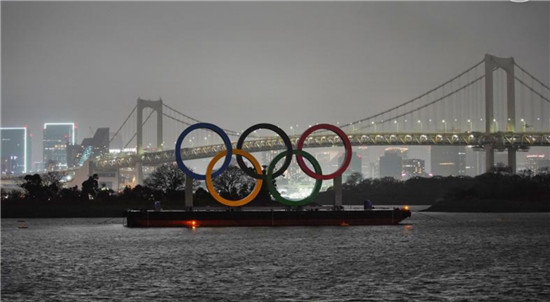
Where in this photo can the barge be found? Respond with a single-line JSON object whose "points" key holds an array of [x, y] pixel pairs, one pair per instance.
{"points": [[274, 217]]}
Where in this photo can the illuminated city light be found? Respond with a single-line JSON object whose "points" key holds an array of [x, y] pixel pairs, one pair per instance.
{"points": [[57, 137], [25, 151], [63, 124]]}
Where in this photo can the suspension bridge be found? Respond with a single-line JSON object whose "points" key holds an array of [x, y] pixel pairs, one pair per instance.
{"points": [[494, 105]]}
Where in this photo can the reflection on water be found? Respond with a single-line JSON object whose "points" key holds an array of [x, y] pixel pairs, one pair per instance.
{"points": [[434, 257]]}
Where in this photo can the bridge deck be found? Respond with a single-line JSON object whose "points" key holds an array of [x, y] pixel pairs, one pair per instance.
{"points": [[499, 140]]}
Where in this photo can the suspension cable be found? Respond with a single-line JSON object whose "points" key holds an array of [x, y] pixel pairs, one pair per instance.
{"points": [[532, 76], [416, 98], [432, 102], [185, 115], [135, 133], [176, 119], [230, 132], [532, 89], [120, 128]]}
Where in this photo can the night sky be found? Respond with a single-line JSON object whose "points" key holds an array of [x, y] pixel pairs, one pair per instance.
{"points": [[237, 64]]}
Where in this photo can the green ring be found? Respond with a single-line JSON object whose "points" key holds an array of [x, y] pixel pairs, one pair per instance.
{"points": [[277, 195]]}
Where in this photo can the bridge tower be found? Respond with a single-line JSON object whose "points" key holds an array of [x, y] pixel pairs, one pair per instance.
{"points": [[157, 106], [507, 64]]}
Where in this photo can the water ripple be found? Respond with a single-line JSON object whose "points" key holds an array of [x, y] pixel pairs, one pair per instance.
{"points": [[435, 257]]}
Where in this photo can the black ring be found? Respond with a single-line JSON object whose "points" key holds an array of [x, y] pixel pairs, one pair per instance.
{"points": [[283, 136]]}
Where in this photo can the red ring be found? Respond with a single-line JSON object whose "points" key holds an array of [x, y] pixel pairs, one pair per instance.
{"points": [[347, 146]]}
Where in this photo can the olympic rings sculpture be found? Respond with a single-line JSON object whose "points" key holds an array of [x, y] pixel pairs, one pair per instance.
{"points": [[257, 172]]}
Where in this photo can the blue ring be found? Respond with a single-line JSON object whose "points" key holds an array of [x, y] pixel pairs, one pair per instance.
{"points": [[226, 142]]}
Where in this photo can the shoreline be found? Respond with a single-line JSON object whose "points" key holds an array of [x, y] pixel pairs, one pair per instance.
{"points": [[489, 206], [110, 208]]}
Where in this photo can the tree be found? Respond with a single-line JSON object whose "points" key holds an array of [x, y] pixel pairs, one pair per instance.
{"points": [[51, 181], [69, 194], [166, 178], [354, 179], [46, 186], [136, 193], [52, 177], [11, 194], [90, 187], [233, 183], [33, 186]]}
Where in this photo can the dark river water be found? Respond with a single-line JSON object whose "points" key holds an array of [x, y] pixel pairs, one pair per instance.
{"points": [[429, 257]]}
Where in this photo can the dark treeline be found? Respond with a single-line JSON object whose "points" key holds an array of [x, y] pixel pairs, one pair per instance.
{"points": [[495, 185], [44, 196]]}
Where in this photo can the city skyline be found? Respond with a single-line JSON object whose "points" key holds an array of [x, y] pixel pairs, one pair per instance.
{"points": [[61, 61]]}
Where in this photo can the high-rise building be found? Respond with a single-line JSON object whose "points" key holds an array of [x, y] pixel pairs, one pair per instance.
{"points": [[91, 146], [391, 163], [101, 141], [413, 167], [57, 136], [354, 165], [75, 153], [475, 161], [448, 160], [15, 150]]}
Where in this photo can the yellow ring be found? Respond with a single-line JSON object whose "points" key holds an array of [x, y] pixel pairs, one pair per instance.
{"points": [[227, 202]]}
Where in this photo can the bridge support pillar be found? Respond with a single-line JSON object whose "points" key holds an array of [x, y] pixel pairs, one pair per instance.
{"points": [[507, 64], [512, 159], [188, 192], [138, 170], [337, 186], [157, 106], [489, 114], [510, 95]]}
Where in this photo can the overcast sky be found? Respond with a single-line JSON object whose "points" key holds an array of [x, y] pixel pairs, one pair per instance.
{"points": [[236, 64]]}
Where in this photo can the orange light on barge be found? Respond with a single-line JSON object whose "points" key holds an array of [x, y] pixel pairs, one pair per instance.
{"points": [[193, 224]]}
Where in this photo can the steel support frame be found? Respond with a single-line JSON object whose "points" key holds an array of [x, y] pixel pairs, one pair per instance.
{"points": [[507, 64]]}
